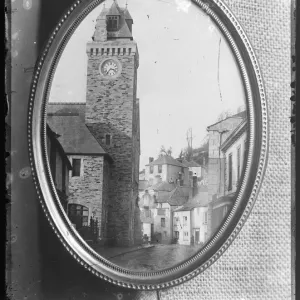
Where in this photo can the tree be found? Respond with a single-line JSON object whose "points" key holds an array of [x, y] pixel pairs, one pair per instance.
{"points": [[225, 114], [186, 153], [228, 113], [163, 151]]}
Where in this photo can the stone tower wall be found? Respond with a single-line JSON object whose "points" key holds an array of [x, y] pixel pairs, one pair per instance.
{"points": [[111, 109]]}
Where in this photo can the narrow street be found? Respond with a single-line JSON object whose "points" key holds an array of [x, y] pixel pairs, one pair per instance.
{"points": [[155, 258]]}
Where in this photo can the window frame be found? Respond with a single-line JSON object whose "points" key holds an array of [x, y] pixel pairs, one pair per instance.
{"points": [[151, 169], [163, 222], [112, 23], [159, 168], [81, 213], [80, 166], [205, 218], [185, 235], [184, 220]]}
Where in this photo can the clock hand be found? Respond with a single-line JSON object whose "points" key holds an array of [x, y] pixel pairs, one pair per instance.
{"points": [[108, 69]]}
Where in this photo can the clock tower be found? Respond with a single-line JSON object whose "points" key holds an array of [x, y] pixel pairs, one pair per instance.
{"points": [[112, 116]]}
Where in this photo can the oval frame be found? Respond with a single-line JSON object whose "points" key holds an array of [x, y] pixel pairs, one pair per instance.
{"points": [[252, 175]]}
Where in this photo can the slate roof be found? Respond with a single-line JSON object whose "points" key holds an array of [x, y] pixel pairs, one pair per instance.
{"points": [[113, 10], [191, 204], [127, 15], [67, 120], [166, 160], [236, 133], [123, 13], [54, 139], [188, 207], [67, 108], [190, 164], [175, 197], [162, 186], [242, 115]]}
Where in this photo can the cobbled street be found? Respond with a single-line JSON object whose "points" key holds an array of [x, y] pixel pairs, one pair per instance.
{"points": [[155, 258]]}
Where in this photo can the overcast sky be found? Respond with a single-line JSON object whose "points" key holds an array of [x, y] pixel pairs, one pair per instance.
{"points": [[177, 76]]}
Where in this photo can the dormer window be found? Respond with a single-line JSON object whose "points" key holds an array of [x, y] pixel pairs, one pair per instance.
{"points": [[112, 23]]}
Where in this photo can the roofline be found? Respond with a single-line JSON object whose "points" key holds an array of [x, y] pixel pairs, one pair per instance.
{"points": [[223, 200], [106, 155], [234, 116], [66, 103], [60, 147], [237, 132], [207, 128], [184, 209], [156, 164]]}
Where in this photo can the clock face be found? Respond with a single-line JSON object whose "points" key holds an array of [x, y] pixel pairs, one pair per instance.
{"points": [[109, 68]]}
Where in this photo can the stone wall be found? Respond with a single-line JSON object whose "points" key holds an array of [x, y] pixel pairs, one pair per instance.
{"points": [[91, 188]]}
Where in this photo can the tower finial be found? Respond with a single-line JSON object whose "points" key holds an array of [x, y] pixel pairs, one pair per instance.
{"points": [[126, 3]]}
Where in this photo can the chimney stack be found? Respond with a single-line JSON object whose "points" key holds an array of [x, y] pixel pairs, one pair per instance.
{"points": [[151, 159]]}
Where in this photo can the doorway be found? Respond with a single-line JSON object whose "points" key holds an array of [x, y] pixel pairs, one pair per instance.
{"points": [[197, 236]]}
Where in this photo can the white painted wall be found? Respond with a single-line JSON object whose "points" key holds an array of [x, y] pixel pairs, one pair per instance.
{"points": [[199, 223], [168, 172], [197, 171], [182, 226]]}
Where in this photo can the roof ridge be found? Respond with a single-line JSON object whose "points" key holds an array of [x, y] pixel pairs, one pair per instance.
{"points": [[68, 103], [237, 115], [95, 138]]}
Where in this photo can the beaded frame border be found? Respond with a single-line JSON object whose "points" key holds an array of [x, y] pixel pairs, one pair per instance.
{"points": [[252, 176]]}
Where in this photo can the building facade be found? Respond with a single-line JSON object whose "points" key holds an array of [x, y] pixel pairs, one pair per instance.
{"points": [[227, 144], [157, 204], [60, 166], [90, 174], [190, 224], [166, 169], [191, 219]]}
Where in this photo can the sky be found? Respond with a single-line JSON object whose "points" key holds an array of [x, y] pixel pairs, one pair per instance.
{"points": [[179, 85]]}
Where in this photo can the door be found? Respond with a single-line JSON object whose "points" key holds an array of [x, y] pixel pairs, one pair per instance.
{"points": [[197, 236], [152, 231]]}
